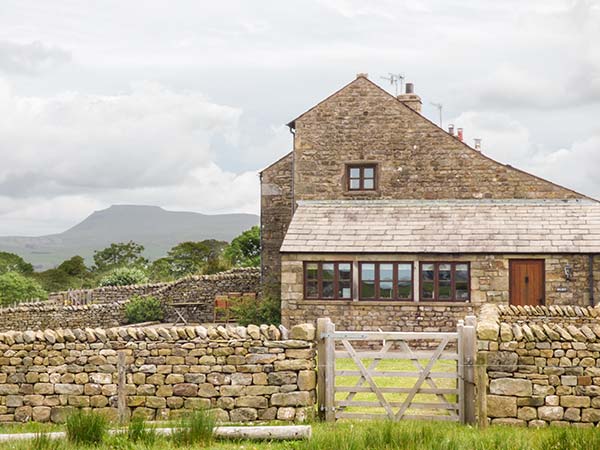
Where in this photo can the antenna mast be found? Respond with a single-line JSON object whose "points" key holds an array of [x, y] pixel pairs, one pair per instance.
{"points": [[439, 107], [395, 78]]}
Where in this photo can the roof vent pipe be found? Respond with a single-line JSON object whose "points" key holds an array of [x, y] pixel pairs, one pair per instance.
{"points": [[477, 144], [451, 129], [410, 88], [460, 134]]}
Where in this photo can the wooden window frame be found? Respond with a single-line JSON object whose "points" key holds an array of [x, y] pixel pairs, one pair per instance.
{"points": [[436, 265], [336, 279], [395, 298], [361, 177]]}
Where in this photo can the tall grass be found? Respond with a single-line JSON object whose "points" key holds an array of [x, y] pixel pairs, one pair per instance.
{"points": [[86, 428], [195, 428], [139, 431], [43, 442]]}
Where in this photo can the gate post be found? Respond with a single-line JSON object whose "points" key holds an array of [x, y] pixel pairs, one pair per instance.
{"points": [[326, 369], [469, 343]]}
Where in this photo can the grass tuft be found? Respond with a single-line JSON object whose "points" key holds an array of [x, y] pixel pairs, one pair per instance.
{"points": [[86, 428], [139, 432], [43, 442], [195, 428]]}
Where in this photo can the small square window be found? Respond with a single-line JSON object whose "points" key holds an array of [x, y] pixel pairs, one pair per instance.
{"points": [[361, 177]]}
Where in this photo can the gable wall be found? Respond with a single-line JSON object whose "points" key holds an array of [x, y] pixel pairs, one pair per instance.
{"points": [[275, 216], [417, 160]]}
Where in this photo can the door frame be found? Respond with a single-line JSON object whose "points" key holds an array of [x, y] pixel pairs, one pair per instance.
{"points": [[510, 265]]}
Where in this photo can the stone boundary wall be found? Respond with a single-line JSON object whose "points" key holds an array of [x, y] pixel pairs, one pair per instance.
{"points": [[540, 370], [36, 316], [110, 294], [543, 314], [241, 373]]}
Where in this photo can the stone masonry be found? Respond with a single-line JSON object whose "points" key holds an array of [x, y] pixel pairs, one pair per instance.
{"points": [[543, 365], [241, 373], [489, 284]]}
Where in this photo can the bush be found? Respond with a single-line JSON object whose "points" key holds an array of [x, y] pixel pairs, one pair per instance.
{"points": [[124, 276], [143, 309], [195, 428], [87, 428], [265, 310], [15, 288]]}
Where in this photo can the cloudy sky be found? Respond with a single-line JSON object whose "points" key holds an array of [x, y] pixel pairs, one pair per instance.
{"points": [[180, 103]]}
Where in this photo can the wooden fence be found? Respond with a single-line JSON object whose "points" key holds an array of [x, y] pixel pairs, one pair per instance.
{"points": [[444, 374]]}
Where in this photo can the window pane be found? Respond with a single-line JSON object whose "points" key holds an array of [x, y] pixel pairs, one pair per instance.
{"points": [[428, 290], [327, 289], [427, 272], [368, 184], [344, 290], [427, 277], [312, 289], [354, 184], [328, 272], [444, 281], [367, 286], [386, 272], [386, 289], [461, 274], [345, 271], [354, 172], [312, 271], [368, 172], [404, 281]]}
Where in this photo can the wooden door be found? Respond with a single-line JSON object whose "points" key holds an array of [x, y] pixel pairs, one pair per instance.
{"points": [[527, 282]]}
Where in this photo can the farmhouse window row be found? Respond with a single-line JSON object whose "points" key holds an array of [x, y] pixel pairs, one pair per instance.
{"points": [[383, 281]]}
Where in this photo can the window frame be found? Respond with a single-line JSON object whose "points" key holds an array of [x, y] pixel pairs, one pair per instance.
{"points": [[395, 298], [361, 178], [436, 265], [336, 280]]}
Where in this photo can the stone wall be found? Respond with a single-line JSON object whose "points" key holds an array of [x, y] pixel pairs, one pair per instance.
{"points": [[540, 369], [416, 159], [47, 315], [103, 294], [276, 209], [241, 373], [489, 284]]}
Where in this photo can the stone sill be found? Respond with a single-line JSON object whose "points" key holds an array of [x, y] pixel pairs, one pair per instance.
{"points": [[380, 303]]}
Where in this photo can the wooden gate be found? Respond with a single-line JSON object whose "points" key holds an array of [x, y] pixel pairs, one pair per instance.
{"points": [[426, 384]]}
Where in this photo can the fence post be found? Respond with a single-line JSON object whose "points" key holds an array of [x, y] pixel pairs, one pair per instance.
{"points": [[481, 379], [326, 369], [121, 387], [470, 354], [460, 369]]}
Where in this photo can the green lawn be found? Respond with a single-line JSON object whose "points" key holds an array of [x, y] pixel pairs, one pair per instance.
{"points": [[445, 366]]}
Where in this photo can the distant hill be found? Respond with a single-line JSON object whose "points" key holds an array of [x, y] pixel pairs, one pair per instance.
{"points": [[155, 228]]}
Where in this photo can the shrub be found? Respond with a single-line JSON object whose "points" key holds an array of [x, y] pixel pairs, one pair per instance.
{"points": [[143, 309], [86, 428], [264, 310], [195, 428], [15, 288], [124, 276]]}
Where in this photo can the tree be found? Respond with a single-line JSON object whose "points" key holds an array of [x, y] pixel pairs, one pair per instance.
{"points": [[195, 257], [119, 255], [124, 276], [244, 250], [74, 267], [9, 262], [15, 288]]}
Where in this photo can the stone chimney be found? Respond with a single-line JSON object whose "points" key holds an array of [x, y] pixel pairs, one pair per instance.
{"points": [[410, 99]]}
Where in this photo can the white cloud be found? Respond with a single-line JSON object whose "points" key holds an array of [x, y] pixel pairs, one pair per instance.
{"points": [[148, 146], [30, 58]]}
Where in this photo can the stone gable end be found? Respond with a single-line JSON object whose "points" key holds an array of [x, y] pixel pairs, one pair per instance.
{"points": [[416, 159]]}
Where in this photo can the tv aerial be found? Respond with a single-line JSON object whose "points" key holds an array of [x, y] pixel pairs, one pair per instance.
{"points": [[439, 107], [395, 79]]}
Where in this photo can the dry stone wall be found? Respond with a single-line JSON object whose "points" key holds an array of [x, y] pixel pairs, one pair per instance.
{"points": [[241, 373], [542, 365], [47, 315]]}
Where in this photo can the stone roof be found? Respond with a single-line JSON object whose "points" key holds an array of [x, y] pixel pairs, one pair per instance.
{"points": [[445, 226]]}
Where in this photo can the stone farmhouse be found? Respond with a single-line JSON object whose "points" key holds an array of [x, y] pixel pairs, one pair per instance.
{"points": [[380, 219]]}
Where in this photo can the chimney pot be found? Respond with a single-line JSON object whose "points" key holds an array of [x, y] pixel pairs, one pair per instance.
{"points": [[410, 99], [362, 75], [451, 129], [460, 134], [410, 88]]}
